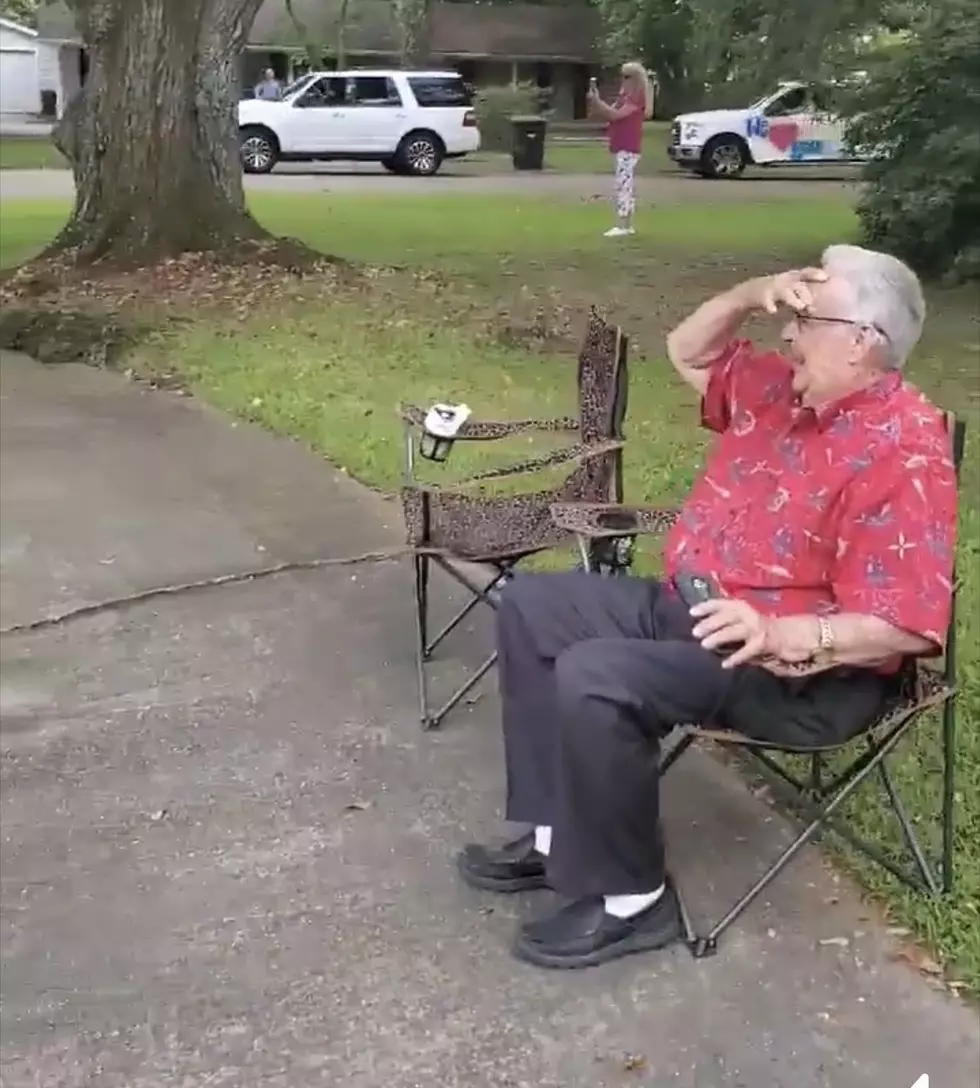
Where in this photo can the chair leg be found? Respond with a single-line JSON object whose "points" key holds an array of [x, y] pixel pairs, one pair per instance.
{"points": [[435, 720], [707, 944], [421, 570], [432, 720], [908, 833], [816, 774], [949, 788], [488, 594], [675, 753]]}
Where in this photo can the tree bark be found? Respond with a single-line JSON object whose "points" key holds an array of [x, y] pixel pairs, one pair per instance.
{"points": [[314, 50], [153, 136]]}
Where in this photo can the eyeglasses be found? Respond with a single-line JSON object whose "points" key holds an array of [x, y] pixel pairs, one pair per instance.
{"points": [[800, 319]]}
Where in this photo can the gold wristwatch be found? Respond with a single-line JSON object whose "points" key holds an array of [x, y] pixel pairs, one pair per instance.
{"points": [[825, 645]]}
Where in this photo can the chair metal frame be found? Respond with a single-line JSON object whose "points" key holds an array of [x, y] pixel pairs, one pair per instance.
{"points": [[484, 575], [819, 797]]}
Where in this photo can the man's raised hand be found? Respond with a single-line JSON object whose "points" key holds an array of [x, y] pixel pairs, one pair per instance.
{"points": [[791, 289]]}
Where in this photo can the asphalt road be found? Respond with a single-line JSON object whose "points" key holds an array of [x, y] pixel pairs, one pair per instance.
{"points": [[668, 189]]}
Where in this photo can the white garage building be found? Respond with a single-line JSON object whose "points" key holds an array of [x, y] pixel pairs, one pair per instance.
{"points": [[20, 86], [29, 65]]}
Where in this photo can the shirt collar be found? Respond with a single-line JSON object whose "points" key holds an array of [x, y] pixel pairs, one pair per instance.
{"points": [[880, 391]]}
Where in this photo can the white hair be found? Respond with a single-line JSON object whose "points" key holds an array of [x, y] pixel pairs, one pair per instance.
{"points": [[885, 295]]}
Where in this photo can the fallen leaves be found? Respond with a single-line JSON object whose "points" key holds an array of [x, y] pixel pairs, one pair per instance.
{"points": [[917, 958], [189, 283]]}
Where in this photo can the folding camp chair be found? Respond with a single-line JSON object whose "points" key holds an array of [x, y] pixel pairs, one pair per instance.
{"points": [[463, 526], [820, 795]]}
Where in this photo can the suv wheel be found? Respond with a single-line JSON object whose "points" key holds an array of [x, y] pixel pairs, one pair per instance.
{"points": [[723, 157], [259, 150], [420, 153], [392, 166]]}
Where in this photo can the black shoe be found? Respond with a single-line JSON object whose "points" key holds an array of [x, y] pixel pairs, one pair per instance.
{"points": [[514, 867], [582, 934]]}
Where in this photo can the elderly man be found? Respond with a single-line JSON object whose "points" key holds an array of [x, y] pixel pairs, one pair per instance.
{"points": [[826, 517], [268, 86]]}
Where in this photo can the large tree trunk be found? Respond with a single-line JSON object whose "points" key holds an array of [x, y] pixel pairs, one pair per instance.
{"points": [[152, 138]]}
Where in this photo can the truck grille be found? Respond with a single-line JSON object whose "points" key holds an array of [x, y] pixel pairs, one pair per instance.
{"points": [[675, 133]]}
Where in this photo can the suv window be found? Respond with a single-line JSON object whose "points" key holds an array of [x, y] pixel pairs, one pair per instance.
{"points": [[325, 92], [296, 85], [372, 91], [440, 91], [793, 101]]}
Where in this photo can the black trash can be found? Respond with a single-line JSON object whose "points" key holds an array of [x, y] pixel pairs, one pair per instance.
{"points": [[49, 103], [528, 146]]}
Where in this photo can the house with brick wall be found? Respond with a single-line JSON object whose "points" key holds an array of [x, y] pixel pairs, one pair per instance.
{"points": [[553, 47]]}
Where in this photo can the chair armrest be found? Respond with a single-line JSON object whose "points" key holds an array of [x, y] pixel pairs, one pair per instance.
{"points": [[578, 452], [489, 430], [597, 520]]}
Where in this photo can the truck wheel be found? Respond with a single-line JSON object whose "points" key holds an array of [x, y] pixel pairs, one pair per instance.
{"points": [[724, 157], [420, 153], [259, 149]]}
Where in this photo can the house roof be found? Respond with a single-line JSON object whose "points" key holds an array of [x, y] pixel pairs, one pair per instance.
{"points": [[513, 31], [18, 28]]}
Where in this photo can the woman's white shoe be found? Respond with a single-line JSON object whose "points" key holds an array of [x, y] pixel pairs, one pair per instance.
{"points": [[618, 232]]}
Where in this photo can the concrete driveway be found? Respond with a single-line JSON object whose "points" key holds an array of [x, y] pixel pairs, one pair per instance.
{"points": [[20, 125], [227, 847]]}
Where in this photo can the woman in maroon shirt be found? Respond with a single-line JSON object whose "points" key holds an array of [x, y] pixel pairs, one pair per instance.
{"points": [[624, 131]]}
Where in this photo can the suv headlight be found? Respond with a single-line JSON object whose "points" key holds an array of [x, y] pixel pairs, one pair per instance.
{"points": [[690, 133]]}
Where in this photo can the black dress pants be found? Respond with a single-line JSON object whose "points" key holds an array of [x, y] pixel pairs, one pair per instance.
{"points": [[593, 673]]}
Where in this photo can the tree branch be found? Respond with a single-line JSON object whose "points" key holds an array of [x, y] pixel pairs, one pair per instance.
{"points": [[314, 50]]}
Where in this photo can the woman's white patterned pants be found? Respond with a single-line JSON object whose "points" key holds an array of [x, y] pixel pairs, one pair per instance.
{"points": [[625, 193]]}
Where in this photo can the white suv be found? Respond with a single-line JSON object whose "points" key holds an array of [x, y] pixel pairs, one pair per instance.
{"points": [[407, 121]]}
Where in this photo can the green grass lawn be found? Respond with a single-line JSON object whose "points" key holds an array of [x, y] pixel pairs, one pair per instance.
{"points": [[330, 369], [30, 153]]}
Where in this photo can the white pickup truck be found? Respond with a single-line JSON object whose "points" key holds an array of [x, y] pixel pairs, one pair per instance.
{"points": [[793, 126]]}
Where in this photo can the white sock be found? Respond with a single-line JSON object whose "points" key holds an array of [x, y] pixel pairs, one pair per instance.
{"points": [[626, 906], [542, 840]]}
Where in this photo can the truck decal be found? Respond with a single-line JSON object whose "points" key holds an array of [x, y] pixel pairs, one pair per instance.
{"points": [[806, 149]]}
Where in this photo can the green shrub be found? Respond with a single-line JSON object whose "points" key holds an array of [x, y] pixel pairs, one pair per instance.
{"points": [[495, 106], [921, 110]]}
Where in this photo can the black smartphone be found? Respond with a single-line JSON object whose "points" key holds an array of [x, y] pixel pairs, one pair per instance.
{"points": [[695, 588]]}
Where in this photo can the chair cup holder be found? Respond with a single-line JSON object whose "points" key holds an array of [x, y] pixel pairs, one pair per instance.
{"points": [[612, 553], [618, 521], [435, 448]]}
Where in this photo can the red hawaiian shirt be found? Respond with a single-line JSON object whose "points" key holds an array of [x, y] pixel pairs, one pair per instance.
{"points": [[848, 509]]}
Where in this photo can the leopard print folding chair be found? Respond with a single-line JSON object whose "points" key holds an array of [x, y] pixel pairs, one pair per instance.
{"points": [[456, 525], [834, 772]]}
